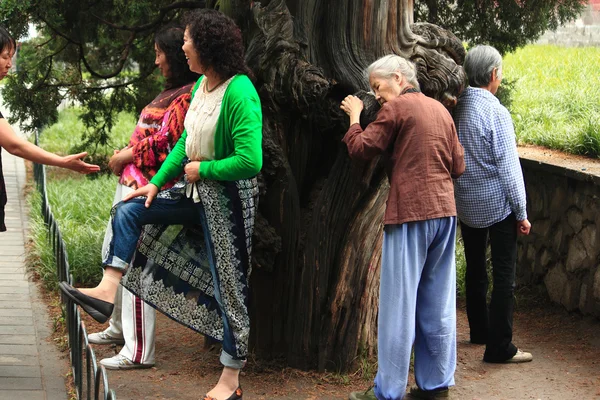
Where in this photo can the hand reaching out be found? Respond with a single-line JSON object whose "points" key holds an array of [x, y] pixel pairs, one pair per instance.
{"points": [[75, 163]]}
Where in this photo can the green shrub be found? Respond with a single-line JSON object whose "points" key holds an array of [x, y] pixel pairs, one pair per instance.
{"points": [[461, 266], [81, 206], [40, 258], [505, 92], [66, 136], [589, 144]]}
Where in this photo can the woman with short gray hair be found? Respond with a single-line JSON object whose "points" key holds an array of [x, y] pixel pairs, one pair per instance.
{"points": [[418, 284], [479, 64], [392, 64]]}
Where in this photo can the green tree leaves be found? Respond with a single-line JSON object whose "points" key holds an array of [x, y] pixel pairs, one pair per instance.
{"points": [[99, 53], [504, 24]]}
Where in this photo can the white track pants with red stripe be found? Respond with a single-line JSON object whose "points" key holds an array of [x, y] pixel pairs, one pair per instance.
{"points": [[132, 318]]}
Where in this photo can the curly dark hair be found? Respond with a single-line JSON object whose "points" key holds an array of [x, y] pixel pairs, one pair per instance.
{"points": [[218, 42], [169, 39], [6, 40]]}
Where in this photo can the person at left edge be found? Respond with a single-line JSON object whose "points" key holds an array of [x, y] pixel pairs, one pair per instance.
{"points": [[20, 147]]}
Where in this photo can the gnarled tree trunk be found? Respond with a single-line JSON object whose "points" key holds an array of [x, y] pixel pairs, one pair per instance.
{"points": [[315, 285]]}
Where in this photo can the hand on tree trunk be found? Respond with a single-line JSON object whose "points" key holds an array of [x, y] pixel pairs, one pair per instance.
{"points": [[352, 106]]}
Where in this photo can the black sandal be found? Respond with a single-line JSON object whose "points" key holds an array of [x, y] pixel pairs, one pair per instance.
{"points": [[237, 395]]}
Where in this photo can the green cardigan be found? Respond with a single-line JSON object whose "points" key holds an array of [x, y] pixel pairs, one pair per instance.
{"points": [[238, 138]]}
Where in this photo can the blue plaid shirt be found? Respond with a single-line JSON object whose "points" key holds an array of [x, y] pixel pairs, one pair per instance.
{"points": [[492, 186]]}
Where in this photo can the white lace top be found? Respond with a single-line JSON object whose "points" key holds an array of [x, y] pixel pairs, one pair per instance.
{"points": [[201, 124], [201, 121]]}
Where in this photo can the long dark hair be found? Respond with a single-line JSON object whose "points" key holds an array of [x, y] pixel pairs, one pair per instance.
{"points": [[6, 40], [169, 40], [218, 42]]}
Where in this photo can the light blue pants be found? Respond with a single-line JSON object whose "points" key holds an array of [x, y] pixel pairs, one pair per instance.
{"points": [[417, 303]]}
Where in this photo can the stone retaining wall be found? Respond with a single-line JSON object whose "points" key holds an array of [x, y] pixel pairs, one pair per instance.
{"points": [[585, 31], [563, 249]]}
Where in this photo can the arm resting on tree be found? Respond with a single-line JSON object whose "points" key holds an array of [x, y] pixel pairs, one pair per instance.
{"points": [[172, 165], [245, 119], [375, 139]]}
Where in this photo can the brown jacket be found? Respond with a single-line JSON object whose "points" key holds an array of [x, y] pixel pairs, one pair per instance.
{"points": [[419, 136]]}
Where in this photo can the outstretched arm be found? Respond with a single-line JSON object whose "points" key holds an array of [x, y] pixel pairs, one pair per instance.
{"points": [[22, 148]]}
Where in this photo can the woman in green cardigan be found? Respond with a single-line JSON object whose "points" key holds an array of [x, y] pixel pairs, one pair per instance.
{"points": [[194, 241]]}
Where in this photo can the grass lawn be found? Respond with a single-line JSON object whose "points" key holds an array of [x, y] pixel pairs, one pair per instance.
{"points": [[556, 100], [81, 204], [67, 133], [81, 207]]}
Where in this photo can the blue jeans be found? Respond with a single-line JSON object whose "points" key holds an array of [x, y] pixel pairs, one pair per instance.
{"points": [[127, 224], [417, 303], [132, 215]]}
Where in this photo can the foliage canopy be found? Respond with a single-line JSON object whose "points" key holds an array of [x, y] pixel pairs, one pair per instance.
{"points": [[504, 24], [98, 53]]}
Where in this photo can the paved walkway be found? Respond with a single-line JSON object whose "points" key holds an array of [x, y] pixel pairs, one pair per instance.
{"points": [[30, 366]]}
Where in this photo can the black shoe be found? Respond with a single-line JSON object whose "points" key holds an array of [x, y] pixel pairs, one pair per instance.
{"points": [[100, 310], [419, 394], [237, 395]]}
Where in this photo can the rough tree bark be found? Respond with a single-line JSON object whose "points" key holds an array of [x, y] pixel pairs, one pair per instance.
{"points": [[319, 233]]}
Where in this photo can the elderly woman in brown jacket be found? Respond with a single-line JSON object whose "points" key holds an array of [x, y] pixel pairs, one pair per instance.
{"points": [[418, 271]]}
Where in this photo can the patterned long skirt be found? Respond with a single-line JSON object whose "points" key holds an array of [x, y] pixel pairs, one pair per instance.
{"points": [[198, 274]]}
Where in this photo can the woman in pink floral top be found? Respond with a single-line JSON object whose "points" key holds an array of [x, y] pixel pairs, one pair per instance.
{"points": [[161, 122]]}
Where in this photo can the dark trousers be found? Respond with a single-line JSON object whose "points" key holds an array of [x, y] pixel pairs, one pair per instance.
{"points": [[491, 326]]}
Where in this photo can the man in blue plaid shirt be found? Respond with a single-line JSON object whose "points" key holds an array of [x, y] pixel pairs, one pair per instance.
{"points": [[490, 202]]}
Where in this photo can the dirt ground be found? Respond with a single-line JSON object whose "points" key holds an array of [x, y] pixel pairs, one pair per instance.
{"points": [[566, 365], [565, 347], [549, 156]]}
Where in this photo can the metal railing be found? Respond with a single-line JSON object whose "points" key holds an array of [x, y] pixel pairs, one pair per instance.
{"points": [[96, 382]]}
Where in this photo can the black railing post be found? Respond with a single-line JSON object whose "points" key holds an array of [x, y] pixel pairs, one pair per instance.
{"points": [[76, 331]]}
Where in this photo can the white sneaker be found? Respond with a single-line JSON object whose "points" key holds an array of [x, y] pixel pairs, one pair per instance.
{"points": [[520, 357], [122, 362], [104, 338]]}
